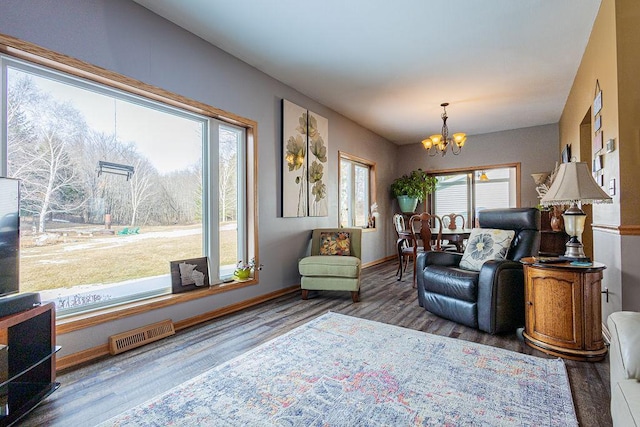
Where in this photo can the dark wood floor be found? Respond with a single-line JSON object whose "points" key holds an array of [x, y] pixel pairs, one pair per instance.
{"points": [[93, 393]]}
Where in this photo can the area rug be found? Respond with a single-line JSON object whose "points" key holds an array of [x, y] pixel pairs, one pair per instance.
{"points": [[338, 370]]}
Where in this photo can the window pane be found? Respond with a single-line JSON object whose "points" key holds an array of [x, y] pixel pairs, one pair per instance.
{"points": [[92, 234], [361, 196], [496, 192], [452, 195], [345, 193], [460, 194], [228, 179], [355, 192]]}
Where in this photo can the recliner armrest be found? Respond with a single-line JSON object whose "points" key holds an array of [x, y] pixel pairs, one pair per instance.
{"points": [[490, 270], [501, 296], [447, 259]]}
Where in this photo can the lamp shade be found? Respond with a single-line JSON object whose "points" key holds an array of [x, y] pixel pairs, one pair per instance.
{"points": [[572, 184], [435, 139], [540, 177]]}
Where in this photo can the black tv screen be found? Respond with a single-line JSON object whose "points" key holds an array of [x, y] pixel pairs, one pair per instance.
{"points": [[9, 235]]}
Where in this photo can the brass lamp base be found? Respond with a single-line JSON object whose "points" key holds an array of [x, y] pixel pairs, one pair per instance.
{"points": [[575, 251]]}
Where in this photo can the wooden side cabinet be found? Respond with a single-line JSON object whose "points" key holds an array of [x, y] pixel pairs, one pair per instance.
{"points": [[562, 309], [27, 361]]}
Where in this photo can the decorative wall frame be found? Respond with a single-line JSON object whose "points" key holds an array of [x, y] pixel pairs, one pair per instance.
{"points": [[305, 164], [597, 120], [597, 99], [189, 274], [566, 154], [598, 163], [598, 142], [597, 124]]}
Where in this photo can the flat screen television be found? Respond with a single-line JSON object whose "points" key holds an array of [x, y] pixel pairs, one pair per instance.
{"points": [[9, 236]]}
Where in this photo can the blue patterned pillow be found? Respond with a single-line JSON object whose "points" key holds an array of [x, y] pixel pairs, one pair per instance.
{"points": [[486, 244]]}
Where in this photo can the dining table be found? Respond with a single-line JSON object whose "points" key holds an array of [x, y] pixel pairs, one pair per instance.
{"points": [[406, 239], [456, 236]]}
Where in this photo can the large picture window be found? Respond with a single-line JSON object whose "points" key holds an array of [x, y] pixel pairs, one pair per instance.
{"points": [[114, 186]]}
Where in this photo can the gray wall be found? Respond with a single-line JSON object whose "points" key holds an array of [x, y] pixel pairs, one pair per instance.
{"points": [[536, 148], [121, 36]]}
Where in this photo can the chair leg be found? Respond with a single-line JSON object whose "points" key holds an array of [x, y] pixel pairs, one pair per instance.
{"points": [[403, 268], [305, 293], [355, 296], [400, 260], [415, 268]]}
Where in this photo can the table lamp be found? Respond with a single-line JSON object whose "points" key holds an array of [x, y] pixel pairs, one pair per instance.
{"points": [[574, 184]]}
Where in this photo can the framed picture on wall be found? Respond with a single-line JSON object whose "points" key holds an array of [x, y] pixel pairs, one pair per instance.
{"points": [[566, 154], [597, 100], [597, 124], [305, 164], [598, 142]]}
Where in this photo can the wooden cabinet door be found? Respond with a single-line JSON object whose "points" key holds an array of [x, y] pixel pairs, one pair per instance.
{"points": [[554, 307], [592, 303]]}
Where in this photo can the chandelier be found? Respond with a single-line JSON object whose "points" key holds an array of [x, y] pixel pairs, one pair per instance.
{"points": [[438, 144]]}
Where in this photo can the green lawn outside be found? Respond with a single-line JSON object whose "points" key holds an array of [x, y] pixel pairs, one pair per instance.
{"points": [[84, 259]]}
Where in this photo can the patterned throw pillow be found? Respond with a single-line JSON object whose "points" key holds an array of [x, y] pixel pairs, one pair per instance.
{"points": [[335, 243], [486, 244]]}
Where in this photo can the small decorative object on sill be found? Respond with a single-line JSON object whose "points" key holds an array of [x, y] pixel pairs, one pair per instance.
{"points": [[243, 271], [373, 215], [189, 274]]}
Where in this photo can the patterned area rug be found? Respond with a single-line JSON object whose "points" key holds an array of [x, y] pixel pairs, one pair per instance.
{"points": [[339, 370]]}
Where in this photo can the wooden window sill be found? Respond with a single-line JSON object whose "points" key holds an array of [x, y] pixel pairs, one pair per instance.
{"points": [[108, 314]]}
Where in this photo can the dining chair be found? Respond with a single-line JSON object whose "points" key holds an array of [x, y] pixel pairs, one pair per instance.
{"points": [[451, 222], [420, 226], [403, 243]]}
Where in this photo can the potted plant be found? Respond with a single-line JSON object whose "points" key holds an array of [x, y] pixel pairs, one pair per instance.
{"points": [[412, 188], [243, 270]]}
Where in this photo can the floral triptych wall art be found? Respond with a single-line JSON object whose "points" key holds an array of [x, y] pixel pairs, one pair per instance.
{"points": [[305, 166]]}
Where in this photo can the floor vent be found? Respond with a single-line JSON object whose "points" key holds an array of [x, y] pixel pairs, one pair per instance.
{"points": [[140, 336]]}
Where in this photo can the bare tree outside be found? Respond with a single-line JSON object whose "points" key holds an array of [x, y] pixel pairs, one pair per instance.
{"points": [[41, 157], [228, 175]]}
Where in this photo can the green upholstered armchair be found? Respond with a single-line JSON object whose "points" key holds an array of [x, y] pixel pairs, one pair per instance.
{"points": [[334, 264]]}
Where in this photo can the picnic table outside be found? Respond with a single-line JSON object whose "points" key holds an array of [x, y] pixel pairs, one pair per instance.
{"points": [[128, 231]]}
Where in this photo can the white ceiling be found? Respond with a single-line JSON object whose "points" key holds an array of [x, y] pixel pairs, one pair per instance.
{"points": [[388, 65]]}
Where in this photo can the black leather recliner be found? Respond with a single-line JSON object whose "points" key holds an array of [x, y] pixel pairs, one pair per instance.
{"points": [[492, 299]]}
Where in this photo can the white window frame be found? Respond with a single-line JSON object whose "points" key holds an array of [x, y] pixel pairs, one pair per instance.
{"points": [[355, 161], [472, 179]]}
